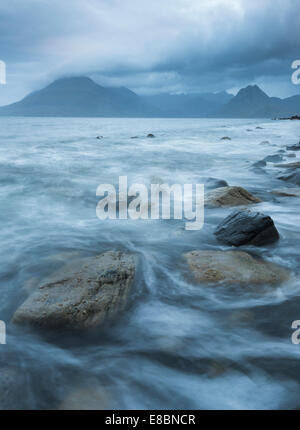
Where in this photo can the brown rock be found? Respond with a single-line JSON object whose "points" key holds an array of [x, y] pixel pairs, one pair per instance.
{"points": [[233, 267], [230, 196]]}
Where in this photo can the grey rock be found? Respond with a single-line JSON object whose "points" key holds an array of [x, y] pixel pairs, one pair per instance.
{"points": [[247, 228], [292, 177], [260, 163], [225, 138], [213, 183], [295, 165], [273, 158], [95, 292], [294, 147], [287, 192]]}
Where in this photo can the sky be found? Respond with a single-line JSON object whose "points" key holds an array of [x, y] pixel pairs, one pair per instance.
{"points": [[150, 46]]}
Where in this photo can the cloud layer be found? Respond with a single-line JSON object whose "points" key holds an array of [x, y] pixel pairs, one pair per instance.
{"points": [[150, 46]]}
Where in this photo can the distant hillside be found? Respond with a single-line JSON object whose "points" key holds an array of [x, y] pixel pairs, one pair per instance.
{"points": [[80, 97], [188, 105], [252, 102]]}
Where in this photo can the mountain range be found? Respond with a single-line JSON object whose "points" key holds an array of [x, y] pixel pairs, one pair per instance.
{"points": [[82, 97]]}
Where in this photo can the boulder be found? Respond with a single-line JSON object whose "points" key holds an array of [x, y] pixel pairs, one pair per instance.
{"points": [[150, 135], [233, 267], [292, 177], [225, 138], [95, 292], [247, 228], [230, 196], [287, 192]]}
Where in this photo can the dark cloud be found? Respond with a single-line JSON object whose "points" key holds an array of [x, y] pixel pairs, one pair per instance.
{"points": [[150, 46]]}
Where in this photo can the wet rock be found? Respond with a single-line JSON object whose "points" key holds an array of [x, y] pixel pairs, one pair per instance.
{"points": [[247, 228], [86, 399], [260, 163], [259, 128], [225, 138], [134, 137], [273, 158], [230, 196], [287, 192], [150, 135], [290, 155], [294, 147], [265, 142], [13, 391], [95, 292], [289, 165], [233, 267], [99, 137], [291, 177], [213, 183]]}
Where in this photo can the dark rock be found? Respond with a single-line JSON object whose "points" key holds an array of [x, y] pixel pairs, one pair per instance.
{"points": [[287, 192], [273, 158], [225, 138], [261, 163], [293, 177], [259, 128], [294, 147], [99, 137], [150, 135], [247, 228], [213, 183]]}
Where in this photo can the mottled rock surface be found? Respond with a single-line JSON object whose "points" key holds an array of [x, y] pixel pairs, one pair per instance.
{"points": [[93, 293], [233, 267], [230, 196]]}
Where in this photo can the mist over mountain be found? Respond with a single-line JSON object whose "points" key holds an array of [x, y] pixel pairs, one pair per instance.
{"points": [[82, 97]]}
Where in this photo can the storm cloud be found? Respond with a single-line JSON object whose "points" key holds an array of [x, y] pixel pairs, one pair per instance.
{"points": [[150, 46]]}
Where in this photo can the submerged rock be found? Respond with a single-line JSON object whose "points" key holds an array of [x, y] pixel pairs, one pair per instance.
{"points": [[273, 158], [95, 292], [294, 147], [230, 196], [14, 393], [295, 165], [247, 228], [260, 163], [213, 183], [87, 399], [233, 267], [287, 192], [291, 177]]}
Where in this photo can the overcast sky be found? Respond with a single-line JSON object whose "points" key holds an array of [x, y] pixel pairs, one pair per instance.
{"points": [[151, 46]]}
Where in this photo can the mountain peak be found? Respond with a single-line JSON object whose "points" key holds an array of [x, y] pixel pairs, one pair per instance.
{"points": [[252, 91], [73, 81]]}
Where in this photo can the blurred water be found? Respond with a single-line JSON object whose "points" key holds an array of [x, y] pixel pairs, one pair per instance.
{"points": [[178, 345]]}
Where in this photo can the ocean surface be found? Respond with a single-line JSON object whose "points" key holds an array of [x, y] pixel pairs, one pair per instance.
{"points": [[178, 345]]}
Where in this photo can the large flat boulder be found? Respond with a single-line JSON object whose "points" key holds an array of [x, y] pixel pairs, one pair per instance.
{"points": [[230, 196], [247, 228], [96, 291], [295, 165], [233, 267]]}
